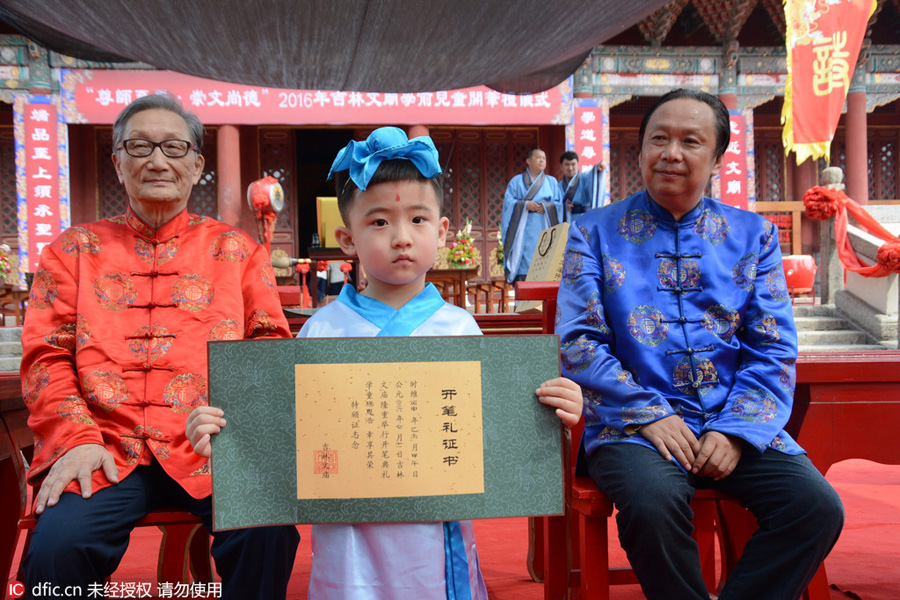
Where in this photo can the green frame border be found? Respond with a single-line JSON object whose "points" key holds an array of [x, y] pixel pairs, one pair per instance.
{"points": [[254, 457]]}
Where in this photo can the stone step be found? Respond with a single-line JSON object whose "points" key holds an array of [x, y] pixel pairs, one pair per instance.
{"points": [[844, 337], [814, 310], [821, 323], [10, 348], [10, 364]]}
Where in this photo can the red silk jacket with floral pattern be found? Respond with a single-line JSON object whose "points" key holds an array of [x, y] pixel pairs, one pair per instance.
{"points": [[114, 346]]}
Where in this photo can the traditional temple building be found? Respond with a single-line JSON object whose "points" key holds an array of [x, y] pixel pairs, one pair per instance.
{"points": [[732, 48]]}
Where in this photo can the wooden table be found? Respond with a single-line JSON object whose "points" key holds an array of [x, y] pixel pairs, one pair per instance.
{"points": [[452, 283], [317, 254], [10, 294], [847, 405]]}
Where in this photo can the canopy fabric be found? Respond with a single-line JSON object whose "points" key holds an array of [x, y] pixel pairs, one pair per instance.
{"points": [[521, 46]]}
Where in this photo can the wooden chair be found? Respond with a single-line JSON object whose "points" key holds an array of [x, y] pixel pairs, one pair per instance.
{"points": [[184, 547], [13, 302], [587, 522], [491, 295], [451, 283]]}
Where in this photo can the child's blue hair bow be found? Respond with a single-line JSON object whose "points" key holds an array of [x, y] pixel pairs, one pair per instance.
{"points": [[362, 159]]}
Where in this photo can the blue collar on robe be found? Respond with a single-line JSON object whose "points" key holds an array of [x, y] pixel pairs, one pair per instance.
{"points": [[394, 323], [664, 216]]}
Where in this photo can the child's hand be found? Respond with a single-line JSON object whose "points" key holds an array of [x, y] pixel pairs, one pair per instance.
{"points": [[201, 424], [565, 395]]}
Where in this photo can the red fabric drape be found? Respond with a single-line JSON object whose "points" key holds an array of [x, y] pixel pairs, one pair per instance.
{"points": [[822, 203]]}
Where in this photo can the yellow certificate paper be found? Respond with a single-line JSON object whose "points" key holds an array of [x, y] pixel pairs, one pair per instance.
{"points": [[387, 430]]}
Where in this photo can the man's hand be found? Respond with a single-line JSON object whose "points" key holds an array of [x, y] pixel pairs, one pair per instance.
{"points": [[672, 438], [79, 463], [201, 425], [532, 206], [719, 455]]}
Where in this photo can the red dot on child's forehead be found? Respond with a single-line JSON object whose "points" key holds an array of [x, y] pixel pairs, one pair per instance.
{"points": [[397, 199]]}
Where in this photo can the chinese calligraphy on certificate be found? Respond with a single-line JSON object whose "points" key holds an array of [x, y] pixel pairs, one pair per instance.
{"points": [[380, 430]]}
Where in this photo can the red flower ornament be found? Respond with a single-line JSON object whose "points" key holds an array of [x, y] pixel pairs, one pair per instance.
{"points": [[889, 256], [823, 202]]}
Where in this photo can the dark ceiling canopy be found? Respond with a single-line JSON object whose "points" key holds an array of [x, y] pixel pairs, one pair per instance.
{"points": [[521, 46]]}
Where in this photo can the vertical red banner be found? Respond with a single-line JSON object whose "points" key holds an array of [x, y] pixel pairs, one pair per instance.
{"points": [[588, 131], [823, 39], [42, 178], [734, 175]]}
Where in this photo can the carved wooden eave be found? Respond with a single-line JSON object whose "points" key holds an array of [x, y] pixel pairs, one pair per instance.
{"points": [[26, 66], [620, 72], [874, 100], [657, 26], [724, 19], [882, 76], [874, 16], [775, 10]]}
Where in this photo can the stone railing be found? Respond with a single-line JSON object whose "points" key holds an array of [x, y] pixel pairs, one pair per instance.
{"points": [[873, 303]]}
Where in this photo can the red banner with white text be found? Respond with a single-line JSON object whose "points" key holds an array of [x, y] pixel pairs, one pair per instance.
{"points": [[97, 96], [589, 135], [823, 39], [734, 174], [42, 188]]}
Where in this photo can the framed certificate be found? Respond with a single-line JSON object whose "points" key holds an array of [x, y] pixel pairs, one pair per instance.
{"points": [[384, 429]]}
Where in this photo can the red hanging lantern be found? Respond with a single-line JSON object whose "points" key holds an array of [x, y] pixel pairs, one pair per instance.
{"points": [[266, 198]]}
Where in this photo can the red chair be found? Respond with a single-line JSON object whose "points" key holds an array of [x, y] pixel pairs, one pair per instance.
{"points": [[184, 547], [588, 513]]}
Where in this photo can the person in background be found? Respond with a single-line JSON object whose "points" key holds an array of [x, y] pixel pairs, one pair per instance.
{"points": [[674, 318], [568, 183], [390, 197], [591, 192], [114, 359], [531, 204]]}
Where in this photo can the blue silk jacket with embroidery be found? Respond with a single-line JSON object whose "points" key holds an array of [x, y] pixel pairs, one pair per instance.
{"points": [[658, 317], [114, 347]]}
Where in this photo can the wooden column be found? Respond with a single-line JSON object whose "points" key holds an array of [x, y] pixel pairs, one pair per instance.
{"points": [[857, 146], [729, 100], [416, 131], [804, 177], [728, 74], [230, 192]]}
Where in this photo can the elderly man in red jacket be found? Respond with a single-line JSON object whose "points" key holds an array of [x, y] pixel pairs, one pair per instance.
{"points": [[115, 360]]}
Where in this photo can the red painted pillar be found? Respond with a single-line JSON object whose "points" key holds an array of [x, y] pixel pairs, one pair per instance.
{"points": [[416, 131], [857, 176], [228, 170], [729, 100], [804, 177]]}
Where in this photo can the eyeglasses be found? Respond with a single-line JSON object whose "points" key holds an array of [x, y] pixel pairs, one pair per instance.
{"points": [[141, 148]]}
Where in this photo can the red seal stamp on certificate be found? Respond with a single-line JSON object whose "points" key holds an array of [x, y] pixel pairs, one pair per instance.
{"points": [[325, 462]]}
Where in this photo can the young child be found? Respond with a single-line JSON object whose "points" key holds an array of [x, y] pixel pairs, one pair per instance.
{"points": [[391, 197]]}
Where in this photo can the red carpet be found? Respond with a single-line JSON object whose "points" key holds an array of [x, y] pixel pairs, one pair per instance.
{"points": [[865, 563]]}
